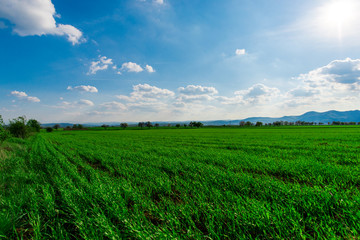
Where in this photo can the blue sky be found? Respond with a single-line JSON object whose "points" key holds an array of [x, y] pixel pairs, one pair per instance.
{"points": [[158, 60]]}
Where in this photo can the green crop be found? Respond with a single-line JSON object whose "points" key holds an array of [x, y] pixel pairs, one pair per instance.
{"points": [[210, 183]]}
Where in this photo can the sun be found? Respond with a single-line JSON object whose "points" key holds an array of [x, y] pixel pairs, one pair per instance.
{"points": [[338, 17], [339, 12]]}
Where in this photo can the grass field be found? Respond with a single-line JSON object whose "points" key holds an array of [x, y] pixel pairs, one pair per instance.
{"points": [[210, 183]]}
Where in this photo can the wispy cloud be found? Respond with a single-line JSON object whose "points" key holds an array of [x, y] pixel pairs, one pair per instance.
{"points": [[75, 105], [102, 64]]}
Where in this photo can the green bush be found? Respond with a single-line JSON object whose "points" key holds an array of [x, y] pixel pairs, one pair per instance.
{"points": [[18, 128], [4, 134], [34, 125], [49, 129]]}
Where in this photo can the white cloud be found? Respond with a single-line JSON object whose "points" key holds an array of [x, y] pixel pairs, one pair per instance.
{"points": [[159, 1], [145, 92], [24, 96], [33, 99], [239, 52], [258, 90], [196, 94], [84, 102], [131, 67], [256, 94], [149, 68], [338, 71], [197, 90], [83, 88], [19, 94], [333, 86], [102, 64], [37, 17]]}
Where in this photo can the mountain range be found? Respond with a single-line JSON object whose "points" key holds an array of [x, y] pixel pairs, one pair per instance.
{"points": [[324, 117]]}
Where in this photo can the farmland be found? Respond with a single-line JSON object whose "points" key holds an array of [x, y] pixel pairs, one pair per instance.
{"points": [[209, 183]]}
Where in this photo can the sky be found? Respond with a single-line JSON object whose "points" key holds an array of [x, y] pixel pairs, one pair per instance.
{"points": [[169, 60]]}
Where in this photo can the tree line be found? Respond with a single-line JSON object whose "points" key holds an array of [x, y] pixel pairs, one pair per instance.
{"points": [[18, 127]]}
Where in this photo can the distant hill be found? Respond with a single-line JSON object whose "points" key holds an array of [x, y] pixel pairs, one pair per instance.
{"points": [[324, 117]]}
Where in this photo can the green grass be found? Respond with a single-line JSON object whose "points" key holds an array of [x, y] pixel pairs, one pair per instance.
{"points": [[210, 183]]}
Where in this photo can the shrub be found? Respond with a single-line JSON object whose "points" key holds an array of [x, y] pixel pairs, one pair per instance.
{"points": [[34, 125], [18, 128], [49, 129], [4, 134]]}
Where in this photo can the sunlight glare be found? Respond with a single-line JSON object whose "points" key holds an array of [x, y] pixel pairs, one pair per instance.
{"points": [[339, 12], [338, 18]]}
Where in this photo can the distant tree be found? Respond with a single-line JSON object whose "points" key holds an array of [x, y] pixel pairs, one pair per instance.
{"points": [[177, 125], [105, 126], [67, 128], [197, 124], [77, 126], [4, 134], [156, 125], [123, 125], [248, 124], [258, 124], [18, 128], [34, 125], [49, 129], [141, 124], [277, 123], [148, 124], [185, 125], [56, 126], [241, 123]]}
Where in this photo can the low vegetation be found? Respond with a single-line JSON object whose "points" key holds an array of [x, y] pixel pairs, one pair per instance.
{"points": [[215, 183]]}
